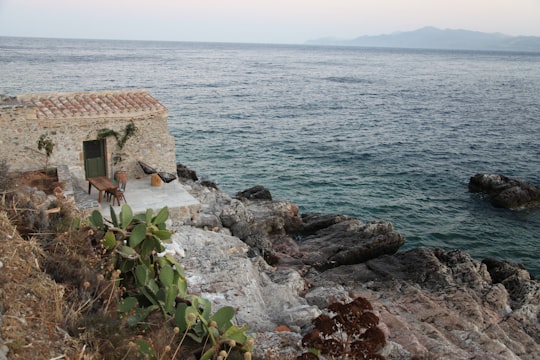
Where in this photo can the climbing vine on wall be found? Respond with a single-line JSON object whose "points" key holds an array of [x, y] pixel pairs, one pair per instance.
{"points": [[129, 131], [121, 139]]}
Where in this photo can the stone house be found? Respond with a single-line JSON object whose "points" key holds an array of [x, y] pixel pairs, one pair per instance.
{"points": [[88, 129]]}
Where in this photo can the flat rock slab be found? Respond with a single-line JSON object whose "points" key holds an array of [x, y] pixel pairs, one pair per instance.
{"points": [[349, 242]]}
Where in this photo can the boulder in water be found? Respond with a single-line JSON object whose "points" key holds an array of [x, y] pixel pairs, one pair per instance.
{"points": [[505, 192]]}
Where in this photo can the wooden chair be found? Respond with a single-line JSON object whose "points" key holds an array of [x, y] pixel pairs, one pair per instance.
{"points": [[118, 193]]}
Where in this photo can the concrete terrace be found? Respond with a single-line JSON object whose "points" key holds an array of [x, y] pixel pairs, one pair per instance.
{"points": [[140, 196]]}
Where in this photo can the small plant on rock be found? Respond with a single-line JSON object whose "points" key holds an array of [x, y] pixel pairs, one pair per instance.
{"points": [[217, 334], [348, 331], [45, 143]]}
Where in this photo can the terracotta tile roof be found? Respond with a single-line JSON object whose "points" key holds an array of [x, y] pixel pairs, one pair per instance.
{"points": [[92, 104]]}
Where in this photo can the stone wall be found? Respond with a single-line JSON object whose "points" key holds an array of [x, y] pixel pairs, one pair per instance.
{"points": [[21, 129], [17, 146]]}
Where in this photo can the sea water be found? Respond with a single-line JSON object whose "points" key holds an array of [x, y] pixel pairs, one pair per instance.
{"points": [[379, 134]]}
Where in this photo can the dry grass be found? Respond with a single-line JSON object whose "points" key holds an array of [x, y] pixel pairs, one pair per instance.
{"points": [[32, 301], [56, 301]]}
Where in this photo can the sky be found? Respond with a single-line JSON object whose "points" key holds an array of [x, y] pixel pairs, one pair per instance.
{"points": [[259, 21]]}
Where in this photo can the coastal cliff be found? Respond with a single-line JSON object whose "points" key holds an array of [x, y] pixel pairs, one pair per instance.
{"points": [[280, 269]]}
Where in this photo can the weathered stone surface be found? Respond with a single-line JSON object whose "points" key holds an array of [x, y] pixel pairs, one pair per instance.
{"points": [[517, 281], [277, 345], [439, 304], [257, 192], [218, 268], [506, 192], [311, 223], [209, 184], [183, 172], [349, 242], [270, 217], [207, 221], [276, 229], [214, 203]]}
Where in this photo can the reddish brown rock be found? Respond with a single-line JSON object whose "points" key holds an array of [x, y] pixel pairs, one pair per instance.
{"points": [[439, 304]]}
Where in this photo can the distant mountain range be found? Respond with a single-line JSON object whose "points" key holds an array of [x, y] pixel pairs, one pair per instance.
{"points": [[433, 38]]}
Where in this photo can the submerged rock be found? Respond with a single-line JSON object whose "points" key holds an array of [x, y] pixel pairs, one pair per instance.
{"points": [[505, 192]]}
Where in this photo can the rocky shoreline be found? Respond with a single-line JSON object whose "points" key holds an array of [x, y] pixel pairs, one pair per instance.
{"points": [[280, 269]]}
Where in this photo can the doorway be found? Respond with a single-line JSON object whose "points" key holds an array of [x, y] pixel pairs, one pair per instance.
{"points": [[94, 158]]}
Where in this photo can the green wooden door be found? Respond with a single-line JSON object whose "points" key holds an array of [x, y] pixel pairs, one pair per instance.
{"points": [[94, 158]]}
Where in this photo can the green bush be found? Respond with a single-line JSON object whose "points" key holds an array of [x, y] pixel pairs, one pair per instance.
{"points": [[45, 143], [154, 280]]}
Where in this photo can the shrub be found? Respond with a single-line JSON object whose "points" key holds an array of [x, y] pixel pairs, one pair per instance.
{"points": [[45, 143], [349, 331]]}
